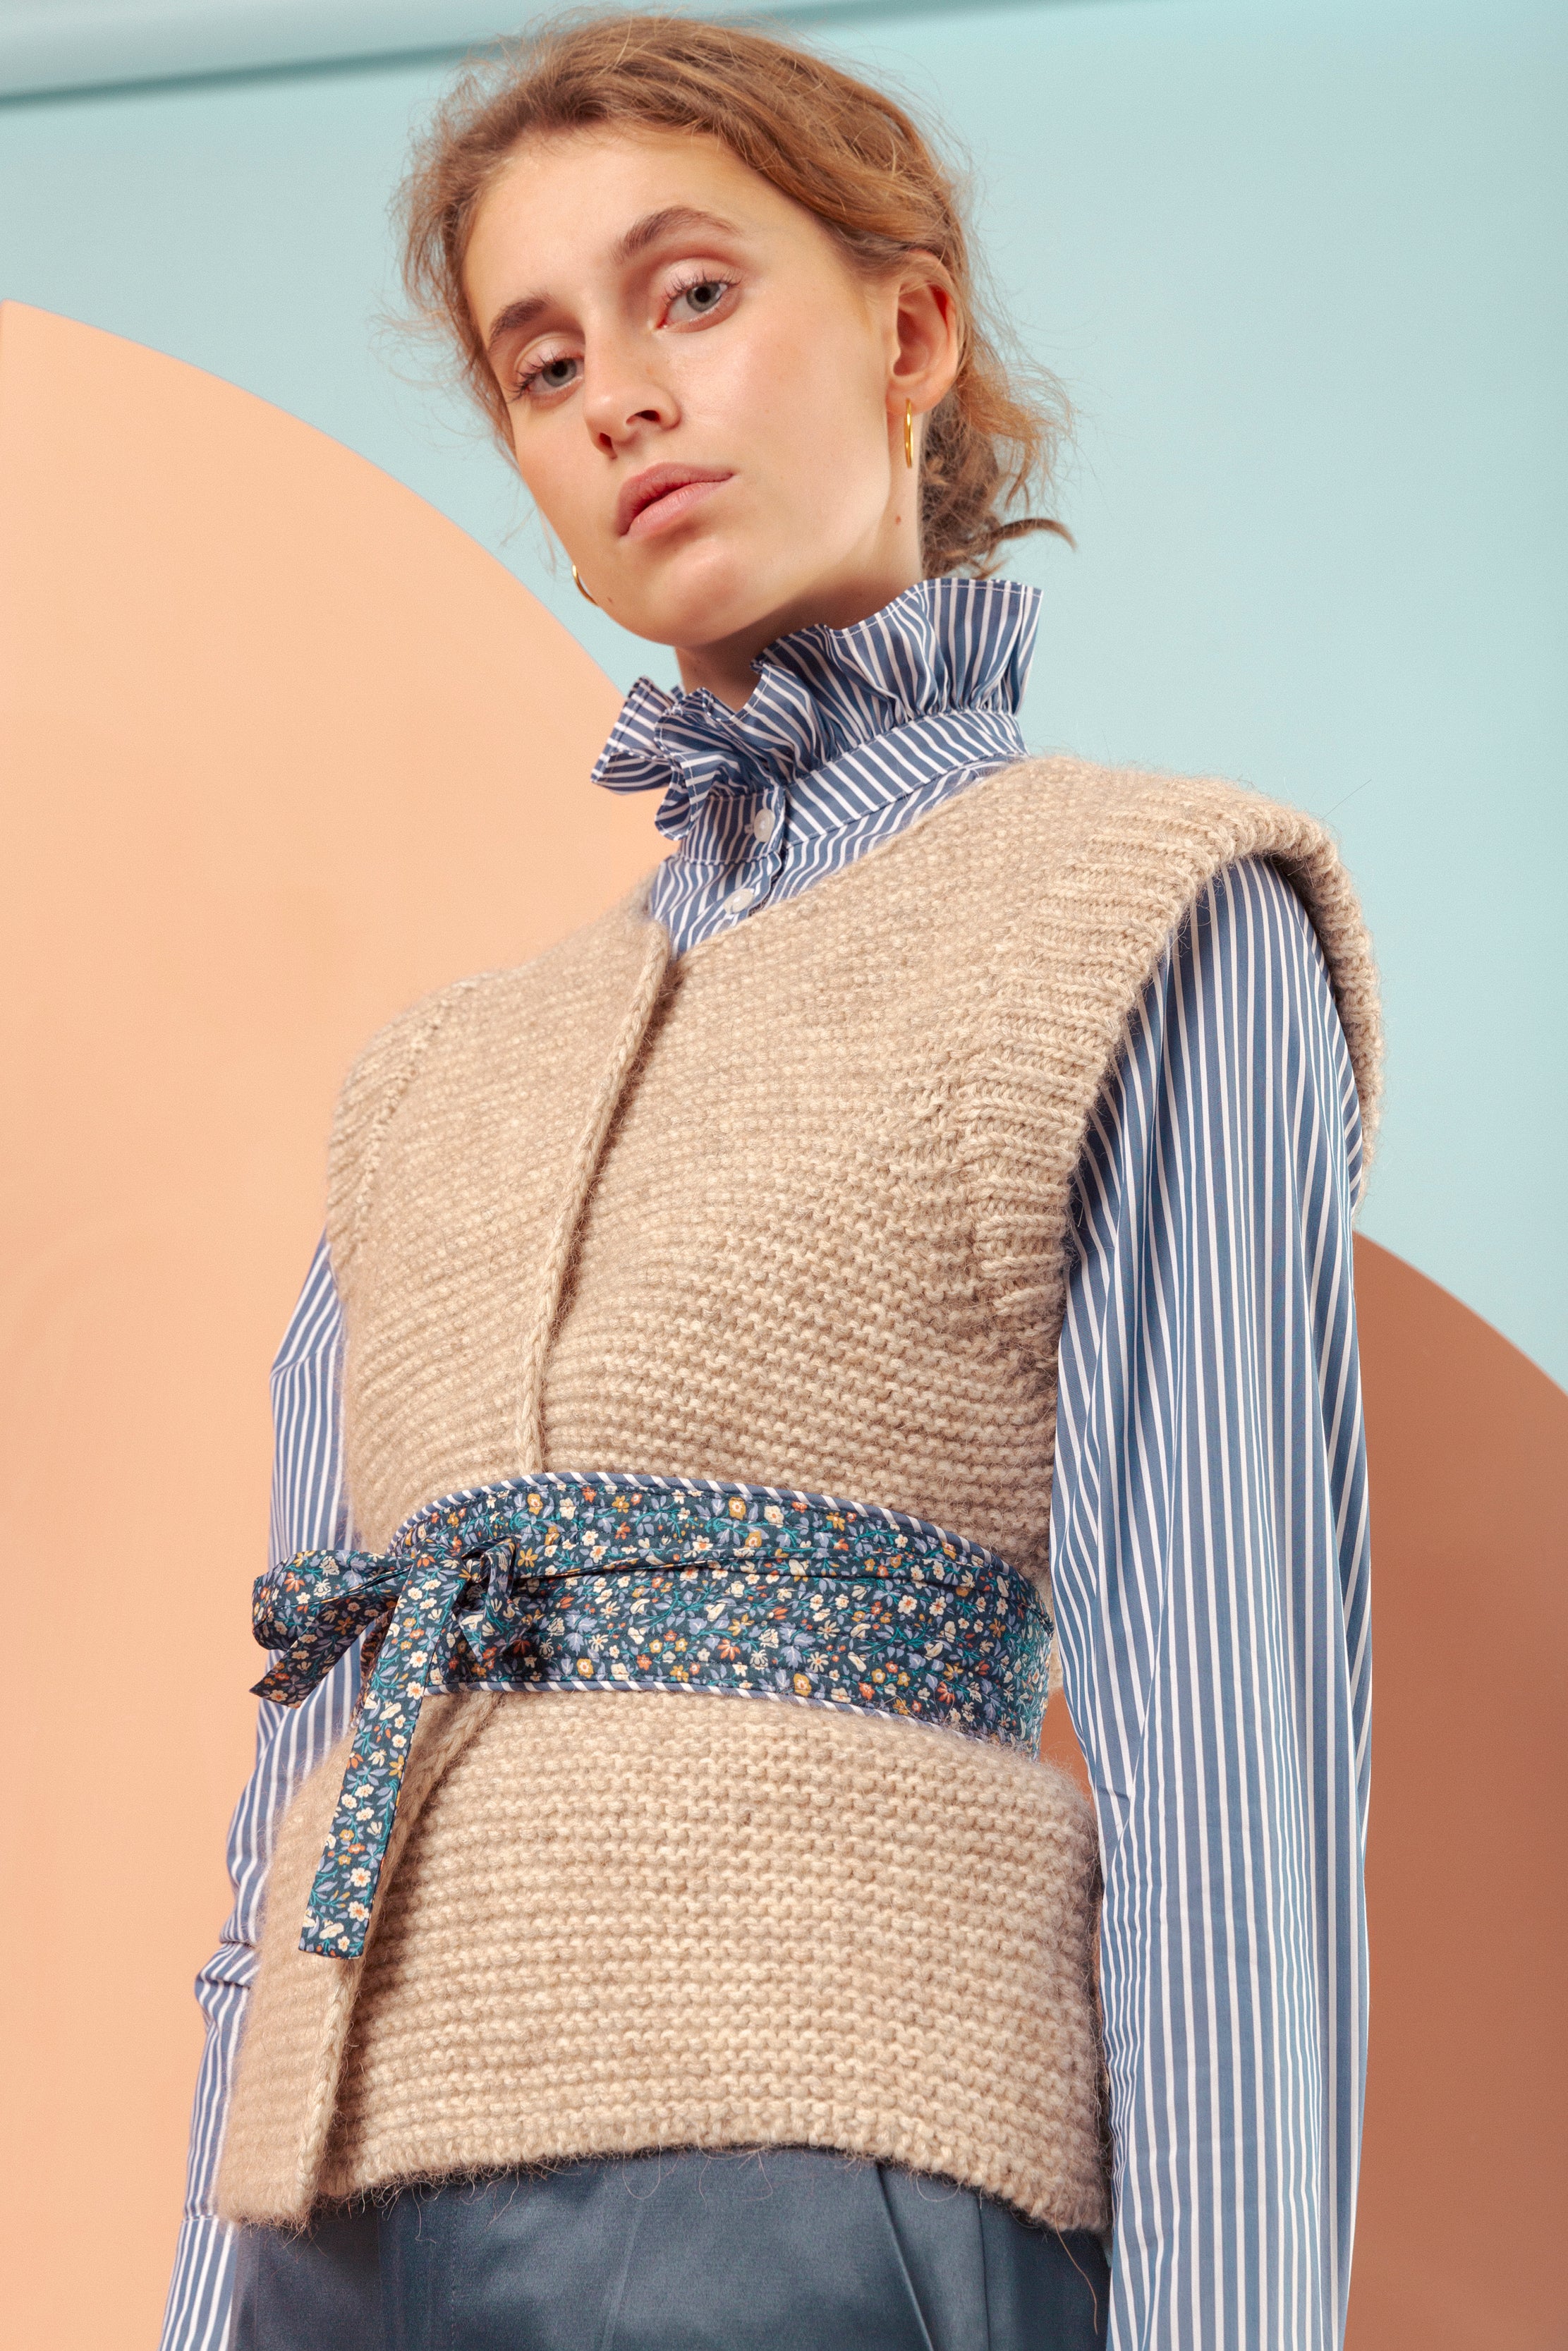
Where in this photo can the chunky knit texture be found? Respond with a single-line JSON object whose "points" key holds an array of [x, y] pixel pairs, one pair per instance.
{"points": [[695, 1940], [791, 1212]]}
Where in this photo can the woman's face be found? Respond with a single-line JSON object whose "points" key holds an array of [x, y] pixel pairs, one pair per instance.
{"points": [[706, 401]]}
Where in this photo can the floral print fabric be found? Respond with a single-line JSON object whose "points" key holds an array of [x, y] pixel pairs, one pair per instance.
{"points": [[624, 1583]]}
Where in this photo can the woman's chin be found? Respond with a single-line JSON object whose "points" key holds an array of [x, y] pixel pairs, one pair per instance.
{"points": [[706, 594]]}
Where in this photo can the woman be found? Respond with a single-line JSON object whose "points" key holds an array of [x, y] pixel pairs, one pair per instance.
{"points": [[707, 1306]]}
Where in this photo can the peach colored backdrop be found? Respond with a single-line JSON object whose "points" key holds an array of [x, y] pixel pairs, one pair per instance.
{"points": [[283, 749]]}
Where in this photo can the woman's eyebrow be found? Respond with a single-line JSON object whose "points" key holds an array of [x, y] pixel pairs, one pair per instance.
{"points": [[652, 225], [521, 313]]}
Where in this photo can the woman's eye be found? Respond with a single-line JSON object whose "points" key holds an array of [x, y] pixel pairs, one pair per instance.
{"points": [[703, 297], [556, 374]]}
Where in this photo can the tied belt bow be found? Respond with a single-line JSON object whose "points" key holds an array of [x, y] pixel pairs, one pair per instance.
{"points": [[623, 1582], [432, 1621]]}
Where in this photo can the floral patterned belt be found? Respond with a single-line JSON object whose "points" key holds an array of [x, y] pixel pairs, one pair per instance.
{"points": [[591, 1582]]}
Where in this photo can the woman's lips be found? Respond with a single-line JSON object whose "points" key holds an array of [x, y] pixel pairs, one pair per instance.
{"points": [[654, 502]]}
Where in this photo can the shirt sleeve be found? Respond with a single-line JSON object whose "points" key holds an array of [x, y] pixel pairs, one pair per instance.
{"points": [[1209, 1561], [310, 1512]]}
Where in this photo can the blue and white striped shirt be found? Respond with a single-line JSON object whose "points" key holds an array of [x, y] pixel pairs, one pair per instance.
{"points": [[1210, 1529]]}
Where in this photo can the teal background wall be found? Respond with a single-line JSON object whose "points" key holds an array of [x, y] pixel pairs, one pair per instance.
{"points": [[1301, 266]]}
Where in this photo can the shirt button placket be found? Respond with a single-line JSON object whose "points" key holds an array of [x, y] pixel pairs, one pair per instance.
{"points": [[763, 865]]}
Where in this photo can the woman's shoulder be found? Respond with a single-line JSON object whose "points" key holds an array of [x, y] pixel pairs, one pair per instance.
{"points": [[1060, 811], [1092, 849], [482, 1015], [585, 956], [1087, 874]]}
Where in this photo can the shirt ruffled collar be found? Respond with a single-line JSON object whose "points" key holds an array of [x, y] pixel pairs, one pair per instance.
{"points": [[944, 646]]}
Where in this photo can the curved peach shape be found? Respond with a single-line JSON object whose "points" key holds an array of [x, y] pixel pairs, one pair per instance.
{"points": [[1464, 2158], [283, 748]]}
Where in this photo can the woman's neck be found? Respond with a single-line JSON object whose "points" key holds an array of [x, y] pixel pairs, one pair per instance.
{"points": [[725, 668]]}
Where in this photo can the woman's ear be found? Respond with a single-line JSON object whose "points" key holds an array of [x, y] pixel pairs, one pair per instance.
{"points": [[926, 339]]}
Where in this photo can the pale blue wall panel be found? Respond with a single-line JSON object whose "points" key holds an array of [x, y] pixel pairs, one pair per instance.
{"points": [[1301, 267]]}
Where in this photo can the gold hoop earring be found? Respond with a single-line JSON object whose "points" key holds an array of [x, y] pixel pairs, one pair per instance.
{"points": [[909, 434], [577, 583]]}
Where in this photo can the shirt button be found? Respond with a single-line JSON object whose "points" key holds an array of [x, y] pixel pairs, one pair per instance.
{"points": [[739, 898], [763, 823]]}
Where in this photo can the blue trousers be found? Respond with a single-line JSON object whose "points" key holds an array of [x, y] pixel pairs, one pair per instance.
{"points": [[778, 2249]]}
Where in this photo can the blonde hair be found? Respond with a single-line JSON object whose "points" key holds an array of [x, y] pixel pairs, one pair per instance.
{"points": [[843, 149]]}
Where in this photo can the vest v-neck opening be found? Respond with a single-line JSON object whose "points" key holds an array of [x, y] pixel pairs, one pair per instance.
{"points": [[837, 882]]}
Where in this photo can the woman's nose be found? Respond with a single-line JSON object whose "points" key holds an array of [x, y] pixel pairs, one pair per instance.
{"points": [[621, 402]]}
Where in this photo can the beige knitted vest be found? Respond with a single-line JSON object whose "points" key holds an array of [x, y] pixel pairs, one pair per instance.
{"points": [[788, 1211]]}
